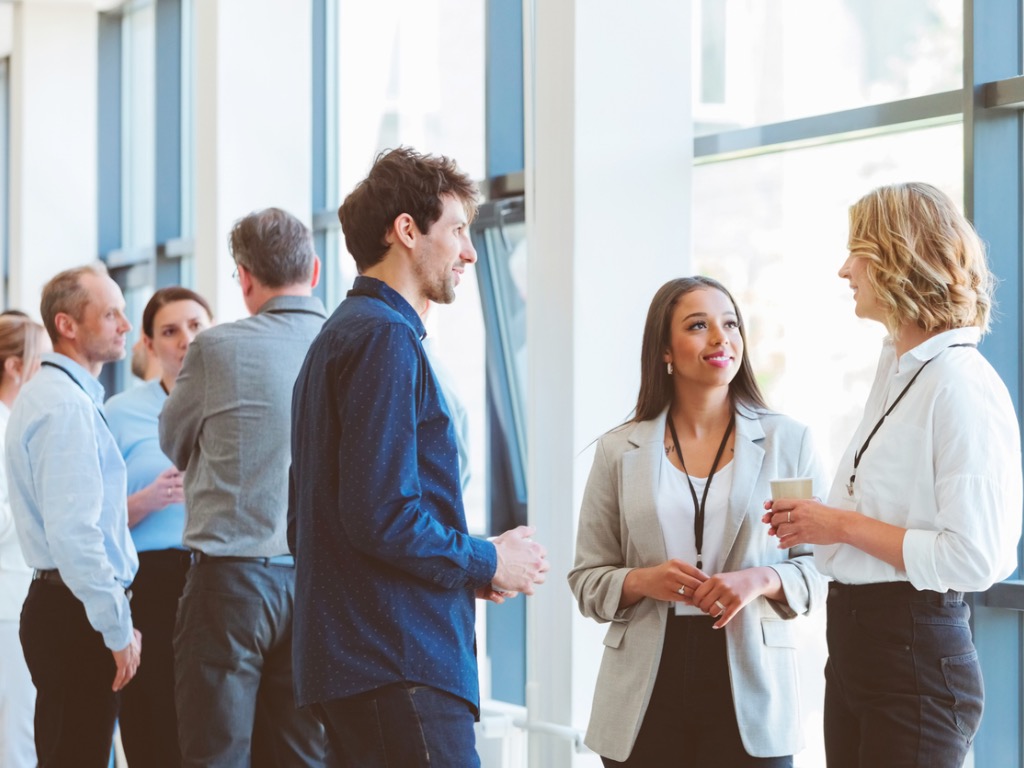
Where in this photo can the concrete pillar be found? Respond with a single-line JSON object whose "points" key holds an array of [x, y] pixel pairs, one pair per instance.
{"points": [[609, 150]]}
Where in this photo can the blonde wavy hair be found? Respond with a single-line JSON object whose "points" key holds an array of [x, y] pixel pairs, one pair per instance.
{"points": [[924, 261]]}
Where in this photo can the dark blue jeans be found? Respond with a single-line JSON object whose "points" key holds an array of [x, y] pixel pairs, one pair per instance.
{"points": [[691, 719], [902, 684], [400, 725]]}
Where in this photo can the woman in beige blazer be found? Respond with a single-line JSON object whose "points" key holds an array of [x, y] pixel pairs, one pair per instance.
{"points": [[699, 666]]}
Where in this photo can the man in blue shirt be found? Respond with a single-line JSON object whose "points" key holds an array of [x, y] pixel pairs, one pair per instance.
{"points": [[68, 498], [386, 572]]}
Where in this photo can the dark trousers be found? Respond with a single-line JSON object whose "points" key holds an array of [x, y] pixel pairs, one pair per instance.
{"points": [[233, 670], [73, 672], [149, 726], [413, 726], [691, 719], [902, 683]]}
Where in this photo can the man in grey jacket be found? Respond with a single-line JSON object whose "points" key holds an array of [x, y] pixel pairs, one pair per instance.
{"points": [[227, 424]]}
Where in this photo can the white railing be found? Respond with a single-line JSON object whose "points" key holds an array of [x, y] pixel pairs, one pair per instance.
{"points": [[503, 735]]}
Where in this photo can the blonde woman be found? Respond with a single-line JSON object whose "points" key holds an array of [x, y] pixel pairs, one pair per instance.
{"points": [[21, 343], [926, 504]]}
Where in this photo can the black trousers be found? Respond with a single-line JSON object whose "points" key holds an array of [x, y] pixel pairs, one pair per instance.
{"points": [[73, 672], [691, 719], [903, 683], [149, 725]]}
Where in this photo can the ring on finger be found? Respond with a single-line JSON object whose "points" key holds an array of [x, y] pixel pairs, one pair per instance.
{"points": [[681, 590], [720, 605], [789, 517]]}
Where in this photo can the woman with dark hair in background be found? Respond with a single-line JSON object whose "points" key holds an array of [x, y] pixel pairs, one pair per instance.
{"points": [[927, 501], [700, 664], [156, 516], [21, 343]]}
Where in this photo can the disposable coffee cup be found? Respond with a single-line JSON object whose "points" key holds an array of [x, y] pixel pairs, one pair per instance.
{"points": [[792, 488]]}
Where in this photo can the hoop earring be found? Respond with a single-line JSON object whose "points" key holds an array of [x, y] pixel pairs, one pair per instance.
{"points": [[669, 368]]}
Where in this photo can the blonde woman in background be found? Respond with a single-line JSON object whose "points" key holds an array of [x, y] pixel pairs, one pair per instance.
{"points": [[21, 343]]}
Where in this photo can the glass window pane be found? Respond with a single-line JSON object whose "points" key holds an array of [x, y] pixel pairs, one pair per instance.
{"points": [[500, 232], [409, 72], [139, 130], [759, 62], [773, 229]]}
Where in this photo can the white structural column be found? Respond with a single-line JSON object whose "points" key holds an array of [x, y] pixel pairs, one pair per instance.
{"points": [[53, 188], [609, 150], [253, 132]]}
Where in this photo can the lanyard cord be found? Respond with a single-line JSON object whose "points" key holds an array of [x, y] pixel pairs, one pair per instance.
{"points": [[79, 385], [698, 508], [859, 454]]}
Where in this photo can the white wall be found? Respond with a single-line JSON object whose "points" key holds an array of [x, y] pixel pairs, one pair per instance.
{"points": [[53, 144]]}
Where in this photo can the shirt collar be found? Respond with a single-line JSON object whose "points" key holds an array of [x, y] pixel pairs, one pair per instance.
{"points": [[310, 304], [378, 289], [928, 349], [81, 376]]}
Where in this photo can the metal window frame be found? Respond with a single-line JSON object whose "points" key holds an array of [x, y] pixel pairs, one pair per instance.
{"points": [[163, 262]]}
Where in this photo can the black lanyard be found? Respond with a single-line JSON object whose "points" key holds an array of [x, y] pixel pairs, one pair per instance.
{"points": [[859, 454], [79, 385], [698, 508]]}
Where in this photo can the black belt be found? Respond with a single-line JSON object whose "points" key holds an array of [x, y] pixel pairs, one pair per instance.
{"points": [[893, 591], [199, 558], [53, 577]]}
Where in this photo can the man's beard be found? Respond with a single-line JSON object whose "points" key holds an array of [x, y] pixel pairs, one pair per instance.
{"points": [[435, 287]]}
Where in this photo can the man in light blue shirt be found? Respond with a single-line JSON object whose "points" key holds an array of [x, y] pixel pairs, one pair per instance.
{"points": [[68, 498]]}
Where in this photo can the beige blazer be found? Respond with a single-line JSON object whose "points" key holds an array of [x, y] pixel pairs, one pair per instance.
{"points": [[619, 530]]}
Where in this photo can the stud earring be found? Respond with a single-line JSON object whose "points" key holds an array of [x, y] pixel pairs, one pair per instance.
{"points": [[669, 367]]}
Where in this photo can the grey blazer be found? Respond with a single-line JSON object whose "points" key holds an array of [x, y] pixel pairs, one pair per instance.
{"points": [[619, 531]]}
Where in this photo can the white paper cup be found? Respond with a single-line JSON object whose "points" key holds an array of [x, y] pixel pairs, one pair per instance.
{"points": [[792, 488]]}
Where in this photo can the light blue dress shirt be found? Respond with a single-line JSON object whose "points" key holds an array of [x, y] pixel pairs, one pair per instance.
{"points": [[67, 485], [134, 417]]}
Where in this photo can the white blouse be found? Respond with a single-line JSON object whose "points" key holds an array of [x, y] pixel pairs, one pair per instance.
{"points": [[945, 465], [676, 514], [15, 576]]}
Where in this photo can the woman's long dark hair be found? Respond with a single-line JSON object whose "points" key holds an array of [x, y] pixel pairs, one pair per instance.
{"points": [[656, 388]]}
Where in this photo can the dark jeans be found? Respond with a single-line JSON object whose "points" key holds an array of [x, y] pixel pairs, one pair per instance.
{"points": [[149, 726], [400, 725], [72, 671], [903, 683], [691, 719], [233, 670]]}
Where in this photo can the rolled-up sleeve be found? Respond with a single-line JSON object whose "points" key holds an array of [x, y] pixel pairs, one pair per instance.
{"points": [[978, 494]]}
